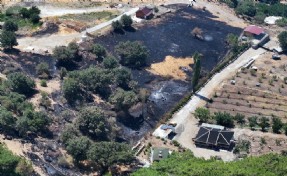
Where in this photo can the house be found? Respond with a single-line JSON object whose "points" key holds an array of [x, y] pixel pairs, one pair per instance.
{"points": [[253, 31], [213, 137], [256, 35], [144, 13], [159, 153]]}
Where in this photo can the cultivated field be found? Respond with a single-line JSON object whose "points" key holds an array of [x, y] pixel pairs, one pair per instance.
{"points": [[255, 93]]}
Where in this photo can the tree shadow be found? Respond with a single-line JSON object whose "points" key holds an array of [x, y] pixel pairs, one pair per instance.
{"points": [[202, 97], [129, 29]]}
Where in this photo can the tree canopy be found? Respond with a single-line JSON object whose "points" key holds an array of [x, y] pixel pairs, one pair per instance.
{"points": [[282, 37], [8, 39], [93, 122], [126, 20], [21, 83], [202, 114], [132, 54]]}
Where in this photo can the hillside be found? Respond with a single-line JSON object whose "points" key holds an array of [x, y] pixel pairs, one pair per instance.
{"points": [[181, 164]]}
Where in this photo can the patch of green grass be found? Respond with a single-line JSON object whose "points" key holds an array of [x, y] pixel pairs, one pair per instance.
{"points": [[91, 17]]}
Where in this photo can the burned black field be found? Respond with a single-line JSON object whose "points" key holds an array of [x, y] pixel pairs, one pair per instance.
{"points": [[171, 35]]}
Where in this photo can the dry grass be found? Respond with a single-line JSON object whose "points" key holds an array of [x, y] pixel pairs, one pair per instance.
{"points": [[171, 67]]}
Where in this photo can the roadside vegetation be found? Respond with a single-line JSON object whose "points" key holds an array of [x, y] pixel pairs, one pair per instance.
{"points": [[23, 17], [186, 164]]}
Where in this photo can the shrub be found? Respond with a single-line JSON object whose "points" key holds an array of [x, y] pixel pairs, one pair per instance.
{"points": [[282, 37], [117, 26], [99, 50], [132, 54], [277, 125], [126, 20], [202, 114], [43, 83], [10, 26], [224, 119], [252, 121], [21, 83], [110, 62], [43, 71], [264, 123], [282, 22], [8, 39], [246, 8]]}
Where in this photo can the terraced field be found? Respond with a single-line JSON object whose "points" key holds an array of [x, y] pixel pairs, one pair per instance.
{"points": [[255, 93]]}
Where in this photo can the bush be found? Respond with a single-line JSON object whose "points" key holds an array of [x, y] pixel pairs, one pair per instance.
{"points": [[282, 37], [252, 121], [132, 54], [43, 83], [246, 8], [117, 26], [224, 119], [63, 72], [43, 71], [259, 17], [66, 56], [264, 123], [99, 50], [35, 18], [21, 83], [123, 99], [110, 62], [10, 26], [72, 90], [8, 39], [126, 20], [277, 125], [202, 114], [281, 22]]}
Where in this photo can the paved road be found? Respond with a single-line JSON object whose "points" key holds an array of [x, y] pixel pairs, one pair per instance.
{"points": [[184, 116]]}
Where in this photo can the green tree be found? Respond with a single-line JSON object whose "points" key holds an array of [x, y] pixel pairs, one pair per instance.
{"points": [[282, 37], [93, 122], [240, 118], [70, 132], [263, 123], [78, 147], [202, 114], [277, 125], [108, 153], [224, 119], [117, 26], [34, 10], [35, 18], [43, 71], [246, 8], [123, 77], [7, 121], [110, 62], [132, 54], [99, 50], [8, 161], [126, 20], [72, 90], [252, 121], [123, 99], [66, 55], [10, 26], [21, 83], [8, 39], [196, 70], [25, 13]]}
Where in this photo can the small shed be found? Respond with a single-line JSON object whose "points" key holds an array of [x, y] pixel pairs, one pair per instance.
{"points": [[144, 13], [253, 30]]}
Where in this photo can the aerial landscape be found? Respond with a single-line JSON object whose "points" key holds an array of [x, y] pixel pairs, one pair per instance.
{"points": [[143, 88]]}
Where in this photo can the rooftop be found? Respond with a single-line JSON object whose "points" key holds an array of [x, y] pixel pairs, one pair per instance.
{"points": [[159, 153], [214, 136], [254, 29]]}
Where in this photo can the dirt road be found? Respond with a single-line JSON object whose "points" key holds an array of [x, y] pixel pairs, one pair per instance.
{"points": [[188, 123]]}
